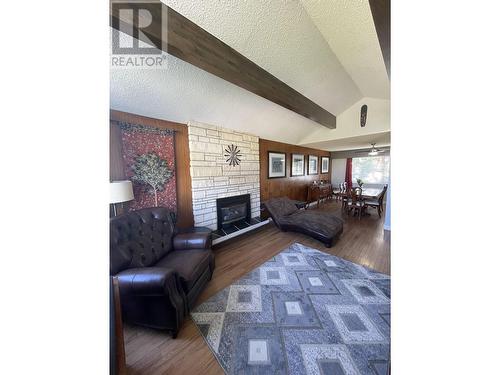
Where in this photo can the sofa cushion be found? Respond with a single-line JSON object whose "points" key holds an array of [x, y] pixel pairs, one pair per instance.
{"points": [[190, 265]]}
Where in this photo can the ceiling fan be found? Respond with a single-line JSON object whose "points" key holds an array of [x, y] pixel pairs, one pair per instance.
{"points": [[373, 151]]}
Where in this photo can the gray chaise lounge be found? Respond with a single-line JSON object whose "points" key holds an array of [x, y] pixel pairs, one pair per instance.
{"points": [[321, 225]]}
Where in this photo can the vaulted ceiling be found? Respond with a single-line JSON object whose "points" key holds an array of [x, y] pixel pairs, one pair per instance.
{"points": [[328, 51], [349, 30]]}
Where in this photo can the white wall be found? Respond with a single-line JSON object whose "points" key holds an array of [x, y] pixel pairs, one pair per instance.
{"points": [[338, 171], [348, 125], [387, 223]]}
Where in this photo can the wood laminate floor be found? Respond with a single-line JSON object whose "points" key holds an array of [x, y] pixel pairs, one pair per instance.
{"points": [[154, 352]]}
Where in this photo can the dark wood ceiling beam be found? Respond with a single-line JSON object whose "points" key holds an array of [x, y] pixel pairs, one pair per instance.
{"points": [[381, 13], [189, 42]]}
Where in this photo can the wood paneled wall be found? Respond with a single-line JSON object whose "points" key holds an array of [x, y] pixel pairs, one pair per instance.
{"points": [[292, 187], [183, 176]]}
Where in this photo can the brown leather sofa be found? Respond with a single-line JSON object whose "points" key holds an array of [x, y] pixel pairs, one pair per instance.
{"points": [[160, 272], [321, 225]]}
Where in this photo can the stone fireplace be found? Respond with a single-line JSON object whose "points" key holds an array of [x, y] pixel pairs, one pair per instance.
{"points": [[214, 179]]}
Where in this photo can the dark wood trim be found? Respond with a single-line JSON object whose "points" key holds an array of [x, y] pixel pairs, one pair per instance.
{"points": [[381, 13], [303, 166], [116, 115], [120, 360], [116, 169], [189, 42], [317, 166], [268, 159], [182, 160]]}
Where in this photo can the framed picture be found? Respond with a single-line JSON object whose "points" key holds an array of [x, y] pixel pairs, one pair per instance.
{"points": [[276, 164], [298, 165], [325, 164], [313, 164]]}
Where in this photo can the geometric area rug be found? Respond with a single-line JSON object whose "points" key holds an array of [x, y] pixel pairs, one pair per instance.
{"points": [[301, 312]]}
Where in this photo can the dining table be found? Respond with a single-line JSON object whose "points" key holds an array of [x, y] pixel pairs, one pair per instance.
{"points": [[371, 193], [368, 193]]}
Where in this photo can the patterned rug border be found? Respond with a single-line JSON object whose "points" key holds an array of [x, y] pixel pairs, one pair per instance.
{"points": [[206, 341], [214, 354]]}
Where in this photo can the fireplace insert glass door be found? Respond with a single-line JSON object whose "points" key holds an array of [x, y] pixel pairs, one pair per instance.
{"points": [[234, 213], [231, 210]]}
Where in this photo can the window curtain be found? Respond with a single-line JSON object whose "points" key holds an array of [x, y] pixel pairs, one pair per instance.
{"points": [[348, 172]]}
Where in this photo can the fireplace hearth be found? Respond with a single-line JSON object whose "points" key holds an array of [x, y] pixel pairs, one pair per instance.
{"points": [[234, 217]]}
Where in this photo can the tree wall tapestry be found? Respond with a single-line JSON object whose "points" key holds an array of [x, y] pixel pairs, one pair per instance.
{"points": [[149, 160]]}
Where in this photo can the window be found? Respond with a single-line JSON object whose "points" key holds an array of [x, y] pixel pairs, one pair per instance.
{"points": [[372, 170]]}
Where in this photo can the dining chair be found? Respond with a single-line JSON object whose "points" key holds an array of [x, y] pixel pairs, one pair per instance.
{"points": [[379, 202], [330, 193], [342, 190], [356, 202], [336, 193], [345, 196]]}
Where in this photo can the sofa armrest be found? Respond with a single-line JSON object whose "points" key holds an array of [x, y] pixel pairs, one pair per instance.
{"points": [[199, 240], [147, 281]]}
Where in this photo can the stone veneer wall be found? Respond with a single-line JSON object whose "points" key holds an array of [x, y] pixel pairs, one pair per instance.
{"points": [[212, 177]]}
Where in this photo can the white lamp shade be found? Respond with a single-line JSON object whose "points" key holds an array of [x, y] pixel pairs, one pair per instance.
{"points": [[121, 191]]}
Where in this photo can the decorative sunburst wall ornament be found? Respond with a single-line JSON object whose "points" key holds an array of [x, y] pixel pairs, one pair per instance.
{"points": [[233, 155]]}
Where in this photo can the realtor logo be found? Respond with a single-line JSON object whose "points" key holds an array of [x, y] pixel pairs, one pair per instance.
{"points": [[137, 28]]}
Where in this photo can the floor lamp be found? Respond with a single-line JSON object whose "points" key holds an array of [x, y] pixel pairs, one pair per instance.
{"points": [[121, 191]]}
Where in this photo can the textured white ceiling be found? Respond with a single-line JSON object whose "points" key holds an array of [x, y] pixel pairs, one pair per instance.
{"points": [[280, 37], [348, 126], [353, 143], [182, 92], [348, 27]]}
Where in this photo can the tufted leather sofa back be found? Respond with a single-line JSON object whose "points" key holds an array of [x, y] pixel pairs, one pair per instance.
{"points": [[140, 238]]}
